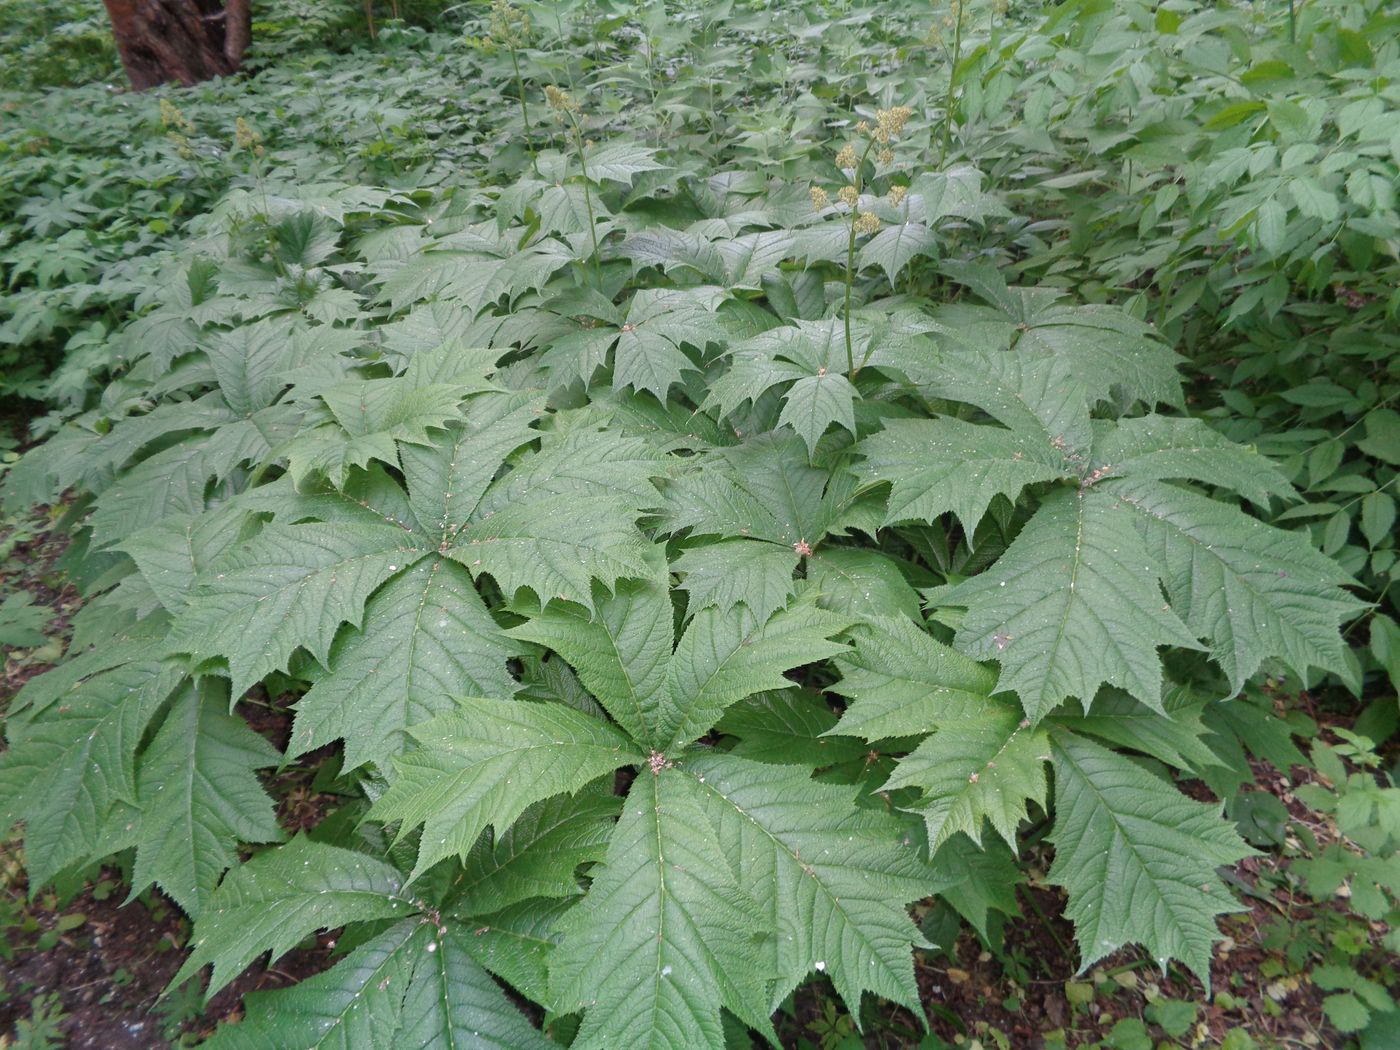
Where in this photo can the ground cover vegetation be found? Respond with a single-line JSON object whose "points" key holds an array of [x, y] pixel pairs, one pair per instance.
{"points": [[732, 505]]}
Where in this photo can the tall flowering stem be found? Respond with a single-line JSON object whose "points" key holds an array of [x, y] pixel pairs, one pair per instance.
{"points": [[567, 109], [888, 124], [957, 8], [856, 215], [510, 29]]}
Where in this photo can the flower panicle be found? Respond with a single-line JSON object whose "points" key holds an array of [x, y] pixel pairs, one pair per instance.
{"points": [[245, 137], [171, 116], [507, 26], [890, 122], [560, 100]]}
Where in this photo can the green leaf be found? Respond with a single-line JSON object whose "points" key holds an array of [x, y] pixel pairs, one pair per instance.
{"points": [[621, 652], [1313, 201], [797, 351], [426, 638], [1174, 735], [555, 546], [408, 988], [903, 682], [1073, 604], [619, 161], [936, 466], [71, 763], [835, 878], [734, 572], [1382, 438], [863, 583], [679, 937], [1137, 858], [447, 478], [538, 855], [371, 417], [251, 363], [173, 552], [173, 481], [594, 464], [22, 622], [1160, 447], [1253, 590], [516, 943], [1270, 226], [790, 726], [281, 895], [981, 768], [765, 489], [1346, 1012], [486, 763], [1038, 398], [1377, 517], [894, 246], [979, 881], [200, 798], [722, 658], [291, 586], [813, 403]]}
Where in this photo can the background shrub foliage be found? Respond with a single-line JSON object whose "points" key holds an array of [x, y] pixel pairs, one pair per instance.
{"points": [[709, 476]]}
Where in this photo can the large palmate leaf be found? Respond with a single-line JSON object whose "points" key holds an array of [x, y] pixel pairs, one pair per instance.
{"points": [[664, 698], [277, 898], [1254, 591], [555, 546], [1101, 346], [1137, 858], [679, 937], [1154, 447], [1074, 604], [902, 682], [71, 763], [941, 465], [621, 653], [895, 246], [291, 586], [835, 879], [172, 553], [371, 416], [200, 798], [738, 572], [980, 768], [789, 726], [447, 478], [538, 855], [810, 356], [857, 582], [408, 988], [426, 638], [486, 762], [765, 488], [813, 403], [722, 658]]}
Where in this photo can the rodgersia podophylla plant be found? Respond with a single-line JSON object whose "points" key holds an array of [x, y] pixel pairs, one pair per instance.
{"points": [[669, 586], [852, 162]]}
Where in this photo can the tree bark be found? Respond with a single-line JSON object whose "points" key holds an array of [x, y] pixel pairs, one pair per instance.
{"points": [[179, 40]]}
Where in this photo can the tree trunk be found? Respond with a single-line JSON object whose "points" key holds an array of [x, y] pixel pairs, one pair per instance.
{"points": [[182, 40]]}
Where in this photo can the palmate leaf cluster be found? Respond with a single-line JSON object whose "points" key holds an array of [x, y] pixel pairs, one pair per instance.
{"points": [[662, 659]]}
